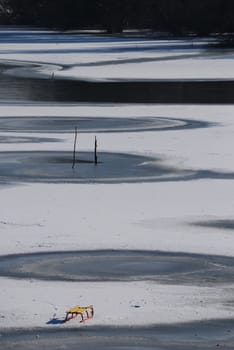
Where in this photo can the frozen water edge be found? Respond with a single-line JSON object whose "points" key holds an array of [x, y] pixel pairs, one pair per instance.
{"points": [[90, 58], [158, 216], [36, 303], [58, 225], [179, 70], [161, 213], [189, 336]]}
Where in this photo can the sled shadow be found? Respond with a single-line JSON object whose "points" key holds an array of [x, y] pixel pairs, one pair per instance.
{"points": [[55, 321]]}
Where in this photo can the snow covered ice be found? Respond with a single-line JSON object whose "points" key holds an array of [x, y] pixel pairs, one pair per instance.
{"points": [[176, 215]]}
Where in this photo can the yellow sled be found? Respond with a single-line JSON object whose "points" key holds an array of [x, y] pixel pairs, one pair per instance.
{"points": [[86, 313]]}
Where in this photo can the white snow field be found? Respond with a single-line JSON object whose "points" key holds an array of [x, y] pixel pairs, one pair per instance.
{"points": [[100, 58], [145, 215]]}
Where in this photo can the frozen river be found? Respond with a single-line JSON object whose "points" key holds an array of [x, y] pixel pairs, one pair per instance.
{"points": [[146, 234]]}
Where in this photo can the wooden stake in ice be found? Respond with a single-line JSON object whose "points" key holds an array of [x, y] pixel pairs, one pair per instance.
{"points": [[74, 150], [95, 152]]}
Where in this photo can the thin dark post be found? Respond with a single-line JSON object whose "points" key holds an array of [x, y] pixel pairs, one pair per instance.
{"points": [[95, 152], [74, 151]]}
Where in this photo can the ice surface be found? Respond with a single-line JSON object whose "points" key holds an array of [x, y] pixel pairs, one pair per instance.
{"points": [[148, 216]]}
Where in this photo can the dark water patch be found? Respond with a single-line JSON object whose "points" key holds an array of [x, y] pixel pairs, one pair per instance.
{"points": [[218, 224], [120, 265], [25, 139], [130, 42], [52, 124], [28, 89], [132, 92], [25, 34], [37, 36], [52, 167], [56, 167], [202, 174], [202, 335]]}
